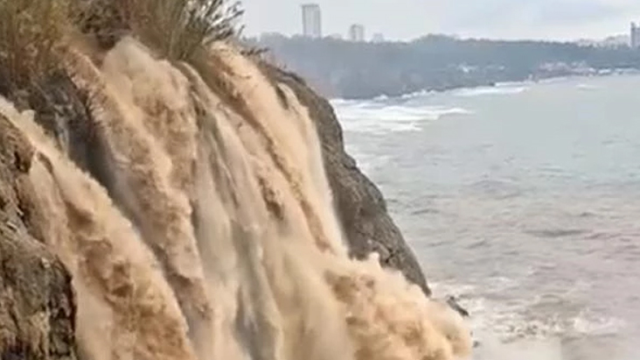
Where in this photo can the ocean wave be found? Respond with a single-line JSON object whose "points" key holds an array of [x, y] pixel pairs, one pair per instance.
{"points": [[343, 102], [417, 94], [589, 323], [499, 88], [367, 163], [522, 330], [490, 90], [378, 118], [382, 97], [587, 87], [512, 83]]}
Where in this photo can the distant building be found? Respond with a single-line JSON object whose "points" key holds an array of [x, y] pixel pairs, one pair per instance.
{"points": [[336, 36], [635, 36], [610, 42], [356, 32], [614, 41], [311, 21], [269, 36], [378, 38]]}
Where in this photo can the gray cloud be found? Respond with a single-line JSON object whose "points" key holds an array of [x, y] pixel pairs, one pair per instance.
{"points": [[550, 19]]}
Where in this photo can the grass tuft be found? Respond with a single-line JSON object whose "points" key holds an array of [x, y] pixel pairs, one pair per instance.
{"points": [[31, 33], [178, 28]]}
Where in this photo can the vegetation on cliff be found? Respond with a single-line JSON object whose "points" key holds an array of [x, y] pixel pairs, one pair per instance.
{"points": [[364, 70], [31, 39], [34, 34]]}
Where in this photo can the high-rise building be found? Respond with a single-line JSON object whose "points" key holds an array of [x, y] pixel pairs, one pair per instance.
{"points": [[356, 32], [635, 36], [311, 20]]}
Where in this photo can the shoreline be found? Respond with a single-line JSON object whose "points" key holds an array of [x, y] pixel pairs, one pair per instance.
{"points": [[602, 74]]}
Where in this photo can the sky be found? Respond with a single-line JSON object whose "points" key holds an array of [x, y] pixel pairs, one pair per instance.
{"points": [[408, 19]]}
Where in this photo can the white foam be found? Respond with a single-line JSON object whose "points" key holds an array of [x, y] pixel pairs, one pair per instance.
{"points": [[508, 330], [512, 83], [367, 163], [588, 323], [379, 118], [493, 349], [417, 94], [491, 90], [587, 87], [342, 102]]}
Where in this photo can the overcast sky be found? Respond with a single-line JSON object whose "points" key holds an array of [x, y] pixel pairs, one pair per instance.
{"points": [[407, 19]]}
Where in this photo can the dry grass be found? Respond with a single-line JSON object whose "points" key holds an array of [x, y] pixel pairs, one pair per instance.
{"points": [[33, 32], [30, 38], [178, 28]]}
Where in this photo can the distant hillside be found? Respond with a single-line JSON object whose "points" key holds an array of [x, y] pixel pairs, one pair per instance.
{"points": [[435, 62]]}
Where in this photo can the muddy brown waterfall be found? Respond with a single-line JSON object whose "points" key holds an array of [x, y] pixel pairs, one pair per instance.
{"points": [[215, 236]]}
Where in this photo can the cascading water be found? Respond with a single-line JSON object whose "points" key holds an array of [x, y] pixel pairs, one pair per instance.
{"points": [[215, 235]]}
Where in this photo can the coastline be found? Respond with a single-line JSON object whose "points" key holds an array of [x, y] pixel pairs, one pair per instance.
{"points": [[550, 79]]}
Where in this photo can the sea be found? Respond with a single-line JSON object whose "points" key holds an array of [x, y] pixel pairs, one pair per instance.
{"points": [[523, 200]]}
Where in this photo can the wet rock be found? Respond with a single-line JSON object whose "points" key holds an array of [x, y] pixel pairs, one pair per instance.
{"points": [[37, 309], [453, 303]]}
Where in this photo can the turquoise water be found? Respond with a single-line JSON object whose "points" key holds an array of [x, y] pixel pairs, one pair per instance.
{"points": [[523, 200]]}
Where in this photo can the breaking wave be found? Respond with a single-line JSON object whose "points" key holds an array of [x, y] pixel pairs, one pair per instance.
{"points": [[381, 117], [493, 90], [511, 330]]}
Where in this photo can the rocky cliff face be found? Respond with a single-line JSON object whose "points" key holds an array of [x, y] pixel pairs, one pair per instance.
{"points": [[36, 299], [37, 311], [360, 204]]}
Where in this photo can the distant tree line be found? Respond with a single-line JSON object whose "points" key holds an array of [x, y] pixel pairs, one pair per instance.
{"points": [[435, 62]]}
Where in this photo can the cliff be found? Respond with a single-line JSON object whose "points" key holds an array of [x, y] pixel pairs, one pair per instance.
{"points": [[37, 308], [168, 204], [37, 286], [360, 204]]}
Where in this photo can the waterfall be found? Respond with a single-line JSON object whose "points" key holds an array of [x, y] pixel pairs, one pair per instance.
{"points": [[214, 235]]}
